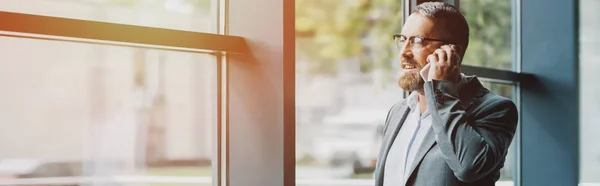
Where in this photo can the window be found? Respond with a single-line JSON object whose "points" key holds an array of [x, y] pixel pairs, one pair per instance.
{"points": [[590, 89], [490, 33], [75, 112], [490, 46], [191, 15], [345, 84], [98, 94], [508, 172]]}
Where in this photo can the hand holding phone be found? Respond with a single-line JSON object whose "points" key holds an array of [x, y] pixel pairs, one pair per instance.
{"points": [[443, 64]]}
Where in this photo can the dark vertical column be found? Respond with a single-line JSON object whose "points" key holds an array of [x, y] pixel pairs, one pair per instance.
{"points": [[550, 103]]}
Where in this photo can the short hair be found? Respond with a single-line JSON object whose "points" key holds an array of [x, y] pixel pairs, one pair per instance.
{"points": [[454, 21]]}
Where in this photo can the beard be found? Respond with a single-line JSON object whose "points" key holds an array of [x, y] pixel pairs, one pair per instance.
{"points": [[411, 81]]}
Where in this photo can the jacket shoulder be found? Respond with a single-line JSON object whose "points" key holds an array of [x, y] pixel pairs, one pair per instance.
{"points": [[492, 99], [491, 103]]}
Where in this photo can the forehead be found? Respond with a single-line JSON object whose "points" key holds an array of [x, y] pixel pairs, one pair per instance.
{"points": [[418, 25]]}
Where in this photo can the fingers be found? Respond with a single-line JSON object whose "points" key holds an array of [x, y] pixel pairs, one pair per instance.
{"points": [[447, 54], [432, 58], [448, 51], [441, 54], [443, 64], [456, 50]]}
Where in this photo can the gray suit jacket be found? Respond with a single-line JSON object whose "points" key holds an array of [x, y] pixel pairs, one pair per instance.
{"points": [[469, 137]]}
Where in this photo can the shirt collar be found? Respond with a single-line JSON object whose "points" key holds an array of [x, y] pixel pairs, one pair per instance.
{"points": [[412, 100]]}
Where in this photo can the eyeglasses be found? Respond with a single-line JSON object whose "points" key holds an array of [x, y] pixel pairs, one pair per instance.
{"points": [[415, 42]]}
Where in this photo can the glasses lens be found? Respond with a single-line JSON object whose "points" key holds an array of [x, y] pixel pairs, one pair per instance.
{"points": [[417, 42], [399, 42]]}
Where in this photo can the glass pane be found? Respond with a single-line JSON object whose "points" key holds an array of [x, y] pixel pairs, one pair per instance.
{"points": [[85, 113], [590, 89], [191, 15], [490, 33], [508, 171], [345, 81]]}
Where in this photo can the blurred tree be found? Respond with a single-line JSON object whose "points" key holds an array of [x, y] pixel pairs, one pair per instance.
{"points": [[332, 31], [490, 33], [328, 32], [490, 38]]}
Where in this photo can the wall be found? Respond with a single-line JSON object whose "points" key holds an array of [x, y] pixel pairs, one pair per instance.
{"points": [[589, 43]]}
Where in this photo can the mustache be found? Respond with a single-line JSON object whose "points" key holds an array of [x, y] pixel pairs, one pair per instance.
{"points": [[410, 61]]}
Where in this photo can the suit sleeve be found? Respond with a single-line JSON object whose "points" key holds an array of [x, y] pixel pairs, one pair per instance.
{"points": [[472, 147]]}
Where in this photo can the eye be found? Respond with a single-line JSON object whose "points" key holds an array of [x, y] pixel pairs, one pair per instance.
{"points": [[418, 41], [401, 39]]}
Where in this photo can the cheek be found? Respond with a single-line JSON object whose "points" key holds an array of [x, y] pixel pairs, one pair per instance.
{"points": [[421, 59]]}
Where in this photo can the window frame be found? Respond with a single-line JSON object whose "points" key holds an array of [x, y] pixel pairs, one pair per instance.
{"points": [[22, 25], [54, 28]]}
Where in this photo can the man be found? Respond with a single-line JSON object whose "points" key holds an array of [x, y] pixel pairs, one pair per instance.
{"points": [[450, 130]]}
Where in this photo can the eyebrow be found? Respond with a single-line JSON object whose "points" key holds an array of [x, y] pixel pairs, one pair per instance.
{"points": [[409, 36], [423, 36]]}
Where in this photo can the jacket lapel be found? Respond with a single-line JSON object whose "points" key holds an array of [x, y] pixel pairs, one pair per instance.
{"points": [[426, 145], [395, 125]]}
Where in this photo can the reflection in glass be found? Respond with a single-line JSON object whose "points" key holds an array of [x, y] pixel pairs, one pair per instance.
{"points": [[191, 15], [490, 33], [96, 111]]}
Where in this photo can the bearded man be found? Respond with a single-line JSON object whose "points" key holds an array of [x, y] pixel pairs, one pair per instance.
{"points": [[450, 131]]}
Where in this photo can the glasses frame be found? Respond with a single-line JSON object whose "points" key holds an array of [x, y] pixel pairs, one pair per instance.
{"points": [[411, 39]]}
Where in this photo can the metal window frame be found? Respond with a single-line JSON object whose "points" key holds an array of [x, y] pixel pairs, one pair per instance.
{"points": [[33, 26], [48, 27]]}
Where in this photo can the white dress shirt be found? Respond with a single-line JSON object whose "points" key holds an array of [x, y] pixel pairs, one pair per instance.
{"points": [[404, 148]]}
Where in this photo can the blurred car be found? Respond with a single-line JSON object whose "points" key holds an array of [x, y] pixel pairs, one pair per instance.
{"points": [[35, 168], [351, 139], [366, 163]]}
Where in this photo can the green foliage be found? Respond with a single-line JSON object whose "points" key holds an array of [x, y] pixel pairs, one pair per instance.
{"points": [[490, 33], [331, 31], [340, 28]]}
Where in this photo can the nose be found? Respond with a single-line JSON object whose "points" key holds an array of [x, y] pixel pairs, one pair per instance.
{"points": [[406, 51]]}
